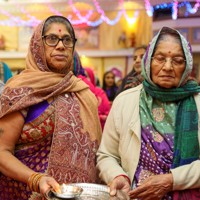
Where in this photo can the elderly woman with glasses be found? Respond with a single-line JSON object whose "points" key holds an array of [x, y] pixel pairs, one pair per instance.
{"points": [[150, 144], [49, 126]]}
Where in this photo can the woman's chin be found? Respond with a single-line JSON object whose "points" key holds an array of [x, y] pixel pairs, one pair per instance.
{"points": [[167, 85]]}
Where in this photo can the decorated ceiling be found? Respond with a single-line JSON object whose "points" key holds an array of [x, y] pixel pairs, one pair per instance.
{"points": [[88, 12]]}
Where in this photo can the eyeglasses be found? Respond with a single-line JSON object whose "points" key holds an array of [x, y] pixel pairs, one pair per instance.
{"points": [[53, 40], [175, 61]]}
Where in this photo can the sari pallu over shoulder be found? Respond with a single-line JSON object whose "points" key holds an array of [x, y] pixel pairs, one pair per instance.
{"points": [[72, 145]]}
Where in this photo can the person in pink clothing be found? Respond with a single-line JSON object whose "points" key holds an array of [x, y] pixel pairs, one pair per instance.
{"points": [[104, 103], [87, 75]]}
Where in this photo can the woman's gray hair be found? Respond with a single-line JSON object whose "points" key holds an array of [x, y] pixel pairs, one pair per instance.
{"points": [[62, 20], [165, 33]]}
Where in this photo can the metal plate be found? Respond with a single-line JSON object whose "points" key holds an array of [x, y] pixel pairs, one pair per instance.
{"points": [[92, 192], [68, 191]]}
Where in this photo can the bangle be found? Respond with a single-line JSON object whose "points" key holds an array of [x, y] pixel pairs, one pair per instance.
{"points": [[33, 181], [127, 178]]}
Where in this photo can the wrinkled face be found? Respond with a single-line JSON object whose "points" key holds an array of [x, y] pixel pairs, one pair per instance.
{"points": [[137, 58], [109, 79], [168, 63], [59, 58]]}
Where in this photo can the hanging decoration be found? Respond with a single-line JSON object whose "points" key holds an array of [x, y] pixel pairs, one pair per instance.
{"points": [[128, 19], [81, 19], [86, 19], [53, 10], [195, 9], [149, 8], [175, 10], [175, 5]]}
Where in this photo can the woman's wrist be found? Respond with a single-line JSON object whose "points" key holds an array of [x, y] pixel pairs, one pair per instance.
{"points": [[127, 178], [170, 181], [33, 181]]}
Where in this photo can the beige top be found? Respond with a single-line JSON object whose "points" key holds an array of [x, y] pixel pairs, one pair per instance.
{"points": [[121, 142]]}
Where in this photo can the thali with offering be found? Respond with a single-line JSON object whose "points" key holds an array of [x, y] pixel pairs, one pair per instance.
{"points": [[86, 191]]}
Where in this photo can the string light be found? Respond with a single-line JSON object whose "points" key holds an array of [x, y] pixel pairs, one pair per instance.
{"points": [[193, 10], [149, 8], [175, 9], [78, 14], [128, 19], [175, 5], [103, 16], [33, 21], [53, 10]]}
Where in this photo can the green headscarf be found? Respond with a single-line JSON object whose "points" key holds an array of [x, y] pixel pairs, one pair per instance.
{"points": [[185, 127]]}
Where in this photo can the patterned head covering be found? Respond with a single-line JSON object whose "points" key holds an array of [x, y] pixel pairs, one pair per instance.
{"points": [[146, 61], [38, 83], [77, 67]]}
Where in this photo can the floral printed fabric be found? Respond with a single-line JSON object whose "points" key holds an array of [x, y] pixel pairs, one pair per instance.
{"points": [[156, 154]]}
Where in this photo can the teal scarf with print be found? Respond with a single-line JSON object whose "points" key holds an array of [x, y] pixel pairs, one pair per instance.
{"points": [[186, 144]]}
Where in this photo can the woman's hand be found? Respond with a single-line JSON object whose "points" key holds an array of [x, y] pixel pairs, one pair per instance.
{"points": [[119, 183], [154, 188], [46, 183]]}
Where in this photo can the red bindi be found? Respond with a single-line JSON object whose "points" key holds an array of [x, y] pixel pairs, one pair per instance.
{"points": [[59, 30]]}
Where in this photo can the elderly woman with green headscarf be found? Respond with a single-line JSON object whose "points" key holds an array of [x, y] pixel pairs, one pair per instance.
{"points": [[150, 144]]}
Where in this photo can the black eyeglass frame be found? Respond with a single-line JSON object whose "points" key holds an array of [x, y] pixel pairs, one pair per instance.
{"points": [[59, 39]]}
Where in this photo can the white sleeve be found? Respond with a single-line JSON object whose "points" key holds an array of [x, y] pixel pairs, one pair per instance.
{"points": [[187, 176], [108, 156]]}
